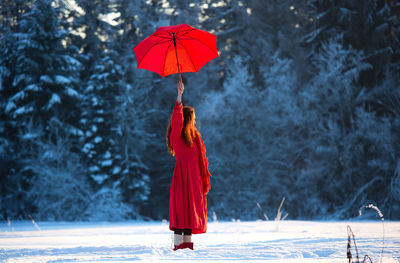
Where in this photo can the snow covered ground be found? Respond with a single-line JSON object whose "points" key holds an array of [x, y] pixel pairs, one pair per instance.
{"points": [[260, 241]]}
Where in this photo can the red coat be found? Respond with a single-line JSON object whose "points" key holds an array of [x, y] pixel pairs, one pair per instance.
{"points": [[187, 202]]}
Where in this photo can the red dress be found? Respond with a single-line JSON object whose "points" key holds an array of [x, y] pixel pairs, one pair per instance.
{"points": [[187, 202]]}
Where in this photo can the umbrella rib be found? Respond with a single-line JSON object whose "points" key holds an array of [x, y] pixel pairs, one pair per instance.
{"points": [[177, 31], [148, 50], [163, 37], [188, 54], [187, 32], [162, 42], [203, 44]]}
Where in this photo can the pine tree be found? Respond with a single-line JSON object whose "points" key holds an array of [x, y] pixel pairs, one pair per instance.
{"points": [[369, 26], [58, 190], [278, 133], [344, 149], [226, 124], [39, 80], [44, 77], [117, 107], [142, 111]]}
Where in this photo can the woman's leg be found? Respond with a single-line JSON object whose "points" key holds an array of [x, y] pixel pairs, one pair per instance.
{"points": [[178, 238], [187, 232], [187, 238], [178, 231]]}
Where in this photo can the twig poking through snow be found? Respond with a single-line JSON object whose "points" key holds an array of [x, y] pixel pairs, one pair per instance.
{"points": [[279, 213], [262, 211], [215, 217], [371, 206], [365, 258], [34, 223], [9, 224], [350, 235]]}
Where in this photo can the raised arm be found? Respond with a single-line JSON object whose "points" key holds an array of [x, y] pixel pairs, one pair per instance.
{"points": [[181, 88], [177, 115]]}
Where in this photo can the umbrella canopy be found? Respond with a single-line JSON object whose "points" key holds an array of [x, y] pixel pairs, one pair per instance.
{"points": [[176, 49]]}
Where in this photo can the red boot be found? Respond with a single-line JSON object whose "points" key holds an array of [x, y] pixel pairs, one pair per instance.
{"points": [[181, 246], [178, 242], [187, 241]]}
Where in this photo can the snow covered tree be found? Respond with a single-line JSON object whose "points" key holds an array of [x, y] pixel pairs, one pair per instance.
{"points": [[142, 110], [133, 140], [369, 26], [278, 133], [251, 134], [279, 26], [97, 120], [343, 147], [101, 78], [44, 78], [38, 77], [59, 190], [117, 107], [108, 205], [226, 122], [387, 104]]}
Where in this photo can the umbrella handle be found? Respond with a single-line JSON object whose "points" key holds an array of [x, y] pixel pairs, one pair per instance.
{"points": [[176, 55]]}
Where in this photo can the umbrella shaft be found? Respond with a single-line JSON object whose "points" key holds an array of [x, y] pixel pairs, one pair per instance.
{"points": [[176, 54]]}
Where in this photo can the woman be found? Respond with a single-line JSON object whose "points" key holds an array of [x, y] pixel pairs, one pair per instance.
{"points": [[190, 183]]}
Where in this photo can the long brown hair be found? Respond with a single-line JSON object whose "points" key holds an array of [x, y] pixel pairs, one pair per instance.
{"points": [[189, 130]]}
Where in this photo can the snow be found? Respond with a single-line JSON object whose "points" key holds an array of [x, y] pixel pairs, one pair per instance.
{"points": [[10, 106], [72, 93], [53, 100], [95, 102], [23, 110], [87, 147], [30, 135], [106, 163], [18, 96], [18, 78], [98, 139], [76, 131], [261, 241], [99, 119], [89, 88], [62, 80], [33, 87], [116, 170], [72, 61], [99, 178], [46, 79], [94, 168]]}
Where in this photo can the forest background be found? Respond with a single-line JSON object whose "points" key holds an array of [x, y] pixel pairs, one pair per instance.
{"points": [[303, 103]]}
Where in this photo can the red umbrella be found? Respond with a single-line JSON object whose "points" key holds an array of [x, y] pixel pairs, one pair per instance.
{"points": [[176, 49]]}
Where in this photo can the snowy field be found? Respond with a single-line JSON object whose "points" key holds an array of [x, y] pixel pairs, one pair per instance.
{"points": [[261, 241]]}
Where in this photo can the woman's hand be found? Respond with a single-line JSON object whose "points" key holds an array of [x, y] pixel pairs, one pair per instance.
{"points": [[181, 88]]}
